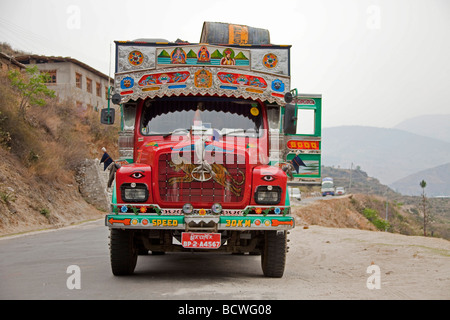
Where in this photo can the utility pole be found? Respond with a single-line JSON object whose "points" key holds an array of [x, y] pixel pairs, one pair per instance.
{"points": [[387, 206], [351, 170]]}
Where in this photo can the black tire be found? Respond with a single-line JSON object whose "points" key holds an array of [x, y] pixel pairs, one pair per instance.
{"points": [[123, 252], [273, 258]]}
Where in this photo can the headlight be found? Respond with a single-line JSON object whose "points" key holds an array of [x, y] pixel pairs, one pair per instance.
{"points": [[268, 195], [134, 192]]}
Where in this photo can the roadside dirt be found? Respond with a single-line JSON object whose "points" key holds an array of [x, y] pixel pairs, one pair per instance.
{"points": [[332, 263], [27, 204], [329, 212]]}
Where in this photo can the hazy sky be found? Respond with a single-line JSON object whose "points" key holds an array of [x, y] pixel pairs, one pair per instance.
{"points": [[376, 62]]}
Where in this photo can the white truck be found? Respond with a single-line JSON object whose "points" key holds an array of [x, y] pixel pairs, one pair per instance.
{"points": [[327, 187]]}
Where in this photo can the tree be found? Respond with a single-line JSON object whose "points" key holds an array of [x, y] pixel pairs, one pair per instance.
{"points": [[423, 184], [31, 87]]}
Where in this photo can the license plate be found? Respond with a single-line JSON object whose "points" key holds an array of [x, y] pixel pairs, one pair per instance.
{"points": [[193, 240]]}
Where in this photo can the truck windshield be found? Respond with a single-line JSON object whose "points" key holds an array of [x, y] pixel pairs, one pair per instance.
{"points": [[229, 117]]}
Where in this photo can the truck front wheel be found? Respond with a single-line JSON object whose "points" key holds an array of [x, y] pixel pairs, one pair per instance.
{"points": [[123, 252], [273, 258]]}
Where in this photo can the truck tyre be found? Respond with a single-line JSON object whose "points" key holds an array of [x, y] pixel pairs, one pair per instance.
{"points": [[273, 258], [123, 252]]}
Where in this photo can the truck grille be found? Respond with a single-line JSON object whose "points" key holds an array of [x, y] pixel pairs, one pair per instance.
{"points": [[177, 183]]}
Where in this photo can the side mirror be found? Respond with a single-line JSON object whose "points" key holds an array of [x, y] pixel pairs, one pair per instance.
{"points": [[288, 97], [290, 119], [107, 116], [116, 98]]}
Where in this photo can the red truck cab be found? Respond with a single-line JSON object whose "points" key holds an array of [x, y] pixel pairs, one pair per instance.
{"points": [[206, 151]]}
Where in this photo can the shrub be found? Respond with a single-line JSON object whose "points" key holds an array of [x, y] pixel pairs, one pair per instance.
{"points": [[45, 212], [5, 136], [31, 87], [372, 216]]}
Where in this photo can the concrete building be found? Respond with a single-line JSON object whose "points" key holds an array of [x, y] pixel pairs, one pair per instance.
{"points": [[73, 81]]}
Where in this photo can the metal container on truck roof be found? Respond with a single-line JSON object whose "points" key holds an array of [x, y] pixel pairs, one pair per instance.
{"points": [[227, 33]]}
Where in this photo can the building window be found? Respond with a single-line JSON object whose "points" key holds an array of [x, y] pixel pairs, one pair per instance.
{"points": [[88, 85], [78, 79], [106, 93], [98, 89], [51, 76]]}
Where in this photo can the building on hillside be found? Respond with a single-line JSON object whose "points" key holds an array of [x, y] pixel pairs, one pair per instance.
{"points": [[8, 63], [72, 80]]}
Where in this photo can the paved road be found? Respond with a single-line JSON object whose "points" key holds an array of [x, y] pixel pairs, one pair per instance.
{"points": [[35, 267], [323, 263]]}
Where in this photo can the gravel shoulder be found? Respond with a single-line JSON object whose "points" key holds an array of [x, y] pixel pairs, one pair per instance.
{"points": [[326, 263]]}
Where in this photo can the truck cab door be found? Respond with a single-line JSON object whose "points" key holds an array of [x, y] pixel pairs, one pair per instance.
{"points": [[302, 138]]}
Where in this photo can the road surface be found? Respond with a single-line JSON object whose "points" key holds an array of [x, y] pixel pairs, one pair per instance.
{"points": [[322, 263]]}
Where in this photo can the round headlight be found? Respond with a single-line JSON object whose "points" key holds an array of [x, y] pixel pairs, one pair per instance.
{"points": [[216, 208], [188, 208]]}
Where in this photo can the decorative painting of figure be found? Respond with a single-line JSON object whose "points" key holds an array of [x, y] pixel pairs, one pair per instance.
{"points": [[178, 56], [228, 57], [203, 55]]}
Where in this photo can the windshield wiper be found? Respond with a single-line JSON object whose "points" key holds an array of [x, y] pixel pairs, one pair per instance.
{"points": [[234, 131], [175, 131]]}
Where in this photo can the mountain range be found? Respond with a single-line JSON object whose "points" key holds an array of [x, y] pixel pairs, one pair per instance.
{"points": [[420, 150], [433, 126], [437, 179]]}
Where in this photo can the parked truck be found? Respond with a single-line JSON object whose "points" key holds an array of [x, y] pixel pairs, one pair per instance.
{"points": [[209, 140]]}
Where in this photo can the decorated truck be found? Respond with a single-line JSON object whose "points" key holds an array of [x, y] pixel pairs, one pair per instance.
{"points": [[210, 135]]}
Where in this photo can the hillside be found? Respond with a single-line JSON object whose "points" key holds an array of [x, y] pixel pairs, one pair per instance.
{"points": [[407, 206], [357, 180], [437, 180], [388, 154], [358, 211], [45, 160]]}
